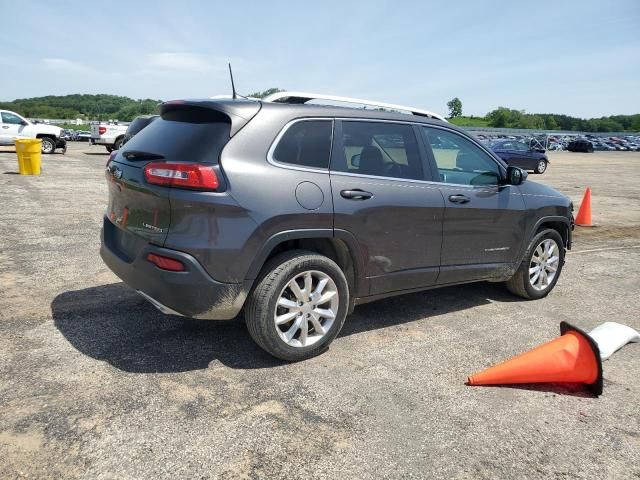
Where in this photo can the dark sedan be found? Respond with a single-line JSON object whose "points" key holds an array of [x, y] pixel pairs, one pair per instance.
{"points": [[519, 154], [580, 145]]}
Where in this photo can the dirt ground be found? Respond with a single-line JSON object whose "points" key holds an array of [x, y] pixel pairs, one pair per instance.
{"points": [[95, 383]]}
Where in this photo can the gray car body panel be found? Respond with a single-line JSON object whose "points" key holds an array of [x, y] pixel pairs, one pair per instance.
{"points": [[407, 237]]}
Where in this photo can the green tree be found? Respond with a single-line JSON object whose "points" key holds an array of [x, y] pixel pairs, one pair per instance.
{"points": [[499, 118], [265, 93], [550, 123], [93, 107], [455, 107]]}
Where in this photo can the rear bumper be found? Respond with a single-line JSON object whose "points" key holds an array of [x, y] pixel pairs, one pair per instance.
{"points": [[192, 293]]}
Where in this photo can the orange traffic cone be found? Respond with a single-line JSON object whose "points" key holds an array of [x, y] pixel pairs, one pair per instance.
{"points": [[584, 213], [574, 357]]}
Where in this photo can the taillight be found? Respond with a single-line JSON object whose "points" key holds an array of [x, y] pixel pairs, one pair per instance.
{"points": [[166, 263], [181, 175], [102, 130]]}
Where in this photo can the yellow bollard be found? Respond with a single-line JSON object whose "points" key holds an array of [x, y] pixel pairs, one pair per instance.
{"points": [[29, 156]]}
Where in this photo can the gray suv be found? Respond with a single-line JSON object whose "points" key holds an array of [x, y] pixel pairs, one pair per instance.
{"points": [[297, 213]]}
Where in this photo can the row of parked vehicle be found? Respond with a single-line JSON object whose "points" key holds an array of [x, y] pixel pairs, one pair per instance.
{"points": [[592, 143], [572, 143], [76, 135]]}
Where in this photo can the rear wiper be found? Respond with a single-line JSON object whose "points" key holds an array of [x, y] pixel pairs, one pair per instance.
{"points": [[135, 155]]}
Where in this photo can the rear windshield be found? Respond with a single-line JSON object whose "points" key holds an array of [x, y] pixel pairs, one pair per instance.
{"points": [[189, 134], [138, 124]]}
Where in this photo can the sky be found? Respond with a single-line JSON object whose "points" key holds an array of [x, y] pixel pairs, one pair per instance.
{"points": [[580, 58]]}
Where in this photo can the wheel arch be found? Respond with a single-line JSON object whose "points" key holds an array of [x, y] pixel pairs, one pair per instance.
{"points": [[560, 224], [48, 135], [340, 246]]}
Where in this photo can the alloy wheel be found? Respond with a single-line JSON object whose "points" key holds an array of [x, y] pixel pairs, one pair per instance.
{"points": [[542, 166], [544, 264], [306, 308], [47, 146]]}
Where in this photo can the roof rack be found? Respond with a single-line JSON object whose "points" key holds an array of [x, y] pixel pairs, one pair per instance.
{"points": [[304, 97]]}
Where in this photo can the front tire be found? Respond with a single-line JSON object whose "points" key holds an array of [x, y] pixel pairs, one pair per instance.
{"points": [[540, 269], [298, 305], [48, 145], [541, 167]]}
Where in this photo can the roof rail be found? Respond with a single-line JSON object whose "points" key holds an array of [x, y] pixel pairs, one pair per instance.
{"points": [[304, 97]]}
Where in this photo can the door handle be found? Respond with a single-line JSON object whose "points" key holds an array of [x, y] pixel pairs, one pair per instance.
{"points": [[356, 194], [459, 199]]}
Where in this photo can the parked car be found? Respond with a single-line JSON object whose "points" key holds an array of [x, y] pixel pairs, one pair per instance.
{"points": [[111, 135], [580, 145], [68, 134], [298, 213], [14, 126], [83, 136], [138, 124], [521, 155]]}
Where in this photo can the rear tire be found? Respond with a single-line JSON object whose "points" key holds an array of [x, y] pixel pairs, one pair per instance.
{"points": [[118, 144], [524, 282], [288, 321], [48, 145], [541, 167], [109, 149]]}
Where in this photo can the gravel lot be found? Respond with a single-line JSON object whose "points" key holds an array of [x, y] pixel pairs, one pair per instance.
{"points": [[95, 383]]}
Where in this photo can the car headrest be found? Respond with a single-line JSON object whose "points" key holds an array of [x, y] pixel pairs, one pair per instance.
{"points": [[371, 161]]}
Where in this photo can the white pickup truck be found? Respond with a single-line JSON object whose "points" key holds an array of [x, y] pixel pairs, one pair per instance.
{"points": [[14, 126], [109, 134]]}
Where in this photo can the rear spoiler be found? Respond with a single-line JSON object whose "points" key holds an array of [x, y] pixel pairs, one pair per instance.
{"points": [[240, 112]]}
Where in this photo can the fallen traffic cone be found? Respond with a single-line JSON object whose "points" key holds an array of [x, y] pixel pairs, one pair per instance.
{"points": [[612, 336], [573, 357], [584, 213]]}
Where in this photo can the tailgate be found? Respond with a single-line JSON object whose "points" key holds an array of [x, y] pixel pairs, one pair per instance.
{"points": [[142, 209], [136, 207]]}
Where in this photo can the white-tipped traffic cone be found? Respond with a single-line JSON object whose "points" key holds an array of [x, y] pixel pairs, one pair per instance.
{"points": [[612, 336]]}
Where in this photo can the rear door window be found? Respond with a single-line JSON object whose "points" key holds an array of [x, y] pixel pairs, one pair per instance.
{"points": [[306, 143], [380, 149]]}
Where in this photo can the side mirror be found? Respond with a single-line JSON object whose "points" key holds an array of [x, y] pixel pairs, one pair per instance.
{"points": [[24, 122], [515, 176]]}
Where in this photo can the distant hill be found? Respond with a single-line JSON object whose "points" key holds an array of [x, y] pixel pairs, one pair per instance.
{"points": [[113, 107], [507, 118], [470, 121], [91, 107]]}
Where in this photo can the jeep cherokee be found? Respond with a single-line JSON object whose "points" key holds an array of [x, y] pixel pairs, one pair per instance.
{"points": [[297, 213]]}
